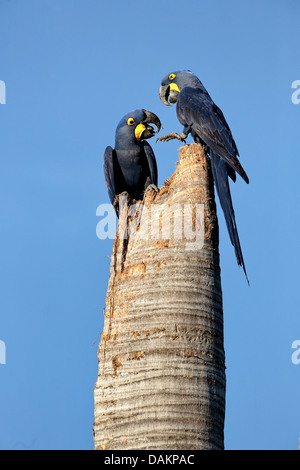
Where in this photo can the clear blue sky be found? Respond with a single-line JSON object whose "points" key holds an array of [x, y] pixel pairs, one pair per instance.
{"points": [[72, 69]]}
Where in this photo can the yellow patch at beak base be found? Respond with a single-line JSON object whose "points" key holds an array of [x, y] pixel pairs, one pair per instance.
{"points": [[139, 130], [173, 86]]}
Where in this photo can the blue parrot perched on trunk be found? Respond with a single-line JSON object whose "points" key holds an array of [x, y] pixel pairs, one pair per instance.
{"points": [[206, 123], [131, 165]]}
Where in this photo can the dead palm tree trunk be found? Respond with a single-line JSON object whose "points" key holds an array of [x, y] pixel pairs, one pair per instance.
{"points": [[161, 379]]}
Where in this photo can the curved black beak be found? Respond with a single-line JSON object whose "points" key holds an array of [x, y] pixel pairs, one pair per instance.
{"points": [[164, 91], [152, 118], [143, 130]]}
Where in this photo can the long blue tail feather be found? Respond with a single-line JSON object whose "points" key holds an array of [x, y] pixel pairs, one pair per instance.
{"points": [[220, 174]]}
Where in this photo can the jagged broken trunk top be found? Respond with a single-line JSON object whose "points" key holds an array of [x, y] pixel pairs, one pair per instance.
{"points": [[161, 378]]}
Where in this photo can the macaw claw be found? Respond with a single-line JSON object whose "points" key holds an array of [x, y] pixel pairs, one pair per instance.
{"points": [[173, 135]]}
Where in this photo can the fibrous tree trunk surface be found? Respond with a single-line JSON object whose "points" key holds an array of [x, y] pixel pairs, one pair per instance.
{"points": [[161, 377]]}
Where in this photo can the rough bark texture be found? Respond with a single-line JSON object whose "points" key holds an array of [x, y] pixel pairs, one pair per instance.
{"points": [[161, 378]]}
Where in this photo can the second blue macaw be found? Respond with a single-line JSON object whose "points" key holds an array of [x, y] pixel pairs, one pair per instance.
{"points": [[206, 123], [131, 166]]}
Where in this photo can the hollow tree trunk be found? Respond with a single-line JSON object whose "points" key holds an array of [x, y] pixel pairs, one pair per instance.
{"points": [[161, 378]]}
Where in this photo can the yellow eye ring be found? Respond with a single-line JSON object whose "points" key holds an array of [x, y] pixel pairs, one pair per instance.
{"points": [[172, 76], [130, 121]]}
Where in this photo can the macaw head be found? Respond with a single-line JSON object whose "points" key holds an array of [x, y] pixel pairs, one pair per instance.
{"points": [[134, 127], [173, 83]]}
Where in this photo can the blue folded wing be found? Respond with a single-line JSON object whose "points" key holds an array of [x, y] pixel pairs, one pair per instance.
{"points": [[108, 166], [196, 109], [151, 162]]}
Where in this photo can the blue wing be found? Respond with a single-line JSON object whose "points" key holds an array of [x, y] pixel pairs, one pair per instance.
{"points": [[108, 166], [196, 110], [151, 162]]}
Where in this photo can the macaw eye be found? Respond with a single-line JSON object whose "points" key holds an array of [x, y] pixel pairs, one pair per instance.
{"points": [[130, 121], [172, 76]]}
